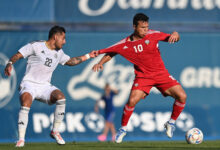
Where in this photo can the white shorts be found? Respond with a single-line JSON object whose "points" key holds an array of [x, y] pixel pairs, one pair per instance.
{"points": [[40, 92]]}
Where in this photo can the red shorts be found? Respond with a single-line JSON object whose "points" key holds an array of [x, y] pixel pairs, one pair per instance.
{"points": [[161, 80]]}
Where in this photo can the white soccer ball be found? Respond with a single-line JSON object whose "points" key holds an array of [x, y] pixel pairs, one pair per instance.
{"points": [[194, 136]]}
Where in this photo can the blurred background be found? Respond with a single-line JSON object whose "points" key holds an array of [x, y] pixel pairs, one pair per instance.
{"points": [[95, 24]]}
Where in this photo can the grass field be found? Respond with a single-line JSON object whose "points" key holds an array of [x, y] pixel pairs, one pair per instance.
{"points": [[148, 145]]}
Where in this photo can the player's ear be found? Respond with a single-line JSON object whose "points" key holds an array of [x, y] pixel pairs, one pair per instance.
{"points": [[134, 26], [55, 36]]}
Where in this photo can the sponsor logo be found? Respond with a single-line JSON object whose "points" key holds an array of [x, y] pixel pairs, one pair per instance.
{"points": [[21, 123], [62, 114], [7, 84], [107, 5], [74, 122], [125, 47], [84, 122], [95, 122], [202, 77]]}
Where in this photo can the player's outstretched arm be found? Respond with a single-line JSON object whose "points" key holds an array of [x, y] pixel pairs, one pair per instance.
{"points": [[110, 52], [11, 61], [77, 60], [96, 107], [115, 91], [99, 65], [174, 37]]}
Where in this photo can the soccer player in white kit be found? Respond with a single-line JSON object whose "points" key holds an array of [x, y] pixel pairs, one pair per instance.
{"points": [[43, 58]]}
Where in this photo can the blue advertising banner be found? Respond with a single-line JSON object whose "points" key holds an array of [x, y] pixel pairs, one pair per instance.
{"points": [[99, 11], [27, 11], [193, 62], [123, 10]]}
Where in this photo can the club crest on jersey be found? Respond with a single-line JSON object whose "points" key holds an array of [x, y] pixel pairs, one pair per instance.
{"points": [[55, 55], [147, 42], [136, 84]]}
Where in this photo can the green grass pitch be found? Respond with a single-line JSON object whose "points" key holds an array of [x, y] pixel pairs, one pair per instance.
{"points": [[147, 145]]}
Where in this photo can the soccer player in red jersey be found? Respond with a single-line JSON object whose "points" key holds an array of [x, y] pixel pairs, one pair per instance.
{"points": [[141, 48]]}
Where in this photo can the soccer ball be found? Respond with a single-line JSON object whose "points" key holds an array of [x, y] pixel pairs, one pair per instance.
{"points": [[194, 136]]}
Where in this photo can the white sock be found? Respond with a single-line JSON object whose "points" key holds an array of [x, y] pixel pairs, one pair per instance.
{"points": [[124, 128], [172, 121], [59, 114], [22, 122]]}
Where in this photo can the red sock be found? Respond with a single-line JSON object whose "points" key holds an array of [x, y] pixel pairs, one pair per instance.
{"points": [[177, 109], [126, 114]]}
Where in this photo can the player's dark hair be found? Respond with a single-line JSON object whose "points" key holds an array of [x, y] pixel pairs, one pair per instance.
{"points": [[140, 17], [56, 29]]}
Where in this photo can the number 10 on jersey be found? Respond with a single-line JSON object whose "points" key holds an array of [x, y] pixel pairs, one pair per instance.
{"points": [[138, 48]]}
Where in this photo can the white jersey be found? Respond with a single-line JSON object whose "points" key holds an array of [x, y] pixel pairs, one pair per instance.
{"points": [[41, 61]]}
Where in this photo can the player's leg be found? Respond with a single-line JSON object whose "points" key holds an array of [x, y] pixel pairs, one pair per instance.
{"points": [[106, 129], [58, 98], [134, 98], [111, 125], [26, 101], [179, 95], [108, 118], [104, 134], [169, 86], [113, 131]]}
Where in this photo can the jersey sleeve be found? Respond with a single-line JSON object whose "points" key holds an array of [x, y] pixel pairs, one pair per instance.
{"points": [[64, 58], [112, 49], [161, 36], [26, 50]]}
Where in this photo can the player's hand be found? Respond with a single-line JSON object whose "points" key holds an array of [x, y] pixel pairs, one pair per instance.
{"points": [[96, 109], [8, 69], [174, 37], [97, 67], [93, 54]]}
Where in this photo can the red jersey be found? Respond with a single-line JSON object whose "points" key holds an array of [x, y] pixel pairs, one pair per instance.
{"points": [[144, 53]]}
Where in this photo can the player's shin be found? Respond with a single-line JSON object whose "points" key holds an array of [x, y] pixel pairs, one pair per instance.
{"points": [[126, 115], [177, 109], [22, 122], [128, 110], [59, 114]]}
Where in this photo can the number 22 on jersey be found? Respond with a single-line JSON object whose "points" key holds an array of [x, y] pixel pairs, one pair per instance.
{"points": [[48, 62]]}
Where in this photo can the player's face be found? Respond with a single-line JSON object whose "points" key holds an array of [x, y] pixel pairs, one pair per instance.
{"points": [[60, 40], [107, 89], [141, 29]]}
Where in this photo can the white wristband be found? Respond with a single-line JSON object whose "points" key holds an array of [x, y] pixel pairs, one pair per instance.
{"points": [[10, 62], [87, 56]]}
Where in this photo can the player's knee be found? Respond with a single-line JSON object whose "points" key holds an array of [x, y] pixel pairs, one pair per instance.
{"points": [[132, 102], [60, 96], [26, 102], [182, 97]]}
